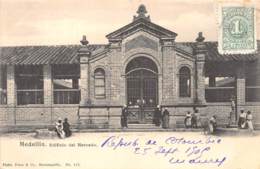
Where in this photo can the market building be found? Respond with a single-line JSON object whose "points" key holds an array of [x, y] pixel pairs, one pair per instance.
{"points": [[142, 66]]}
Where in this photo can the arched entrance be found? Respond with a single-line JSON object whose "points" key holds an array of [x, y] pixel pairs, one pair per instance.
{"points": [[142, 89]]}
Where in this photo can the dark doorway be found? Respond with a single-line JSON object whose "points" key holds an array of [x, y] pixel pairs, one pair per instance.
{"points": [[142, 89]]}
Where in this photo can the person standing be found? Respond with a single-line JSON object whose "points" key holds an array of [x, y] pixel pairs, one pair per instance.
{"points": [[66, 127], [187, 120], [157, 116], [212, 124], [124, 115], [242, 119], [59, 129], [249, 118], [233, 110], [165, 119], [194, 119]]}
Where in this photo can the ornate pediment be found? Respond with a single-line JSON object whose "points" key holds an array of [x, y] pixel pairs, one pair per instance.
{"points": [[141, 42], [141, 22]]}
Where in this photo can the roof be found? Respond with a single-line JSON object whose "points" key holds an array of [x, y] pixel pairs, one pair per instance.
{"points": [[144, 24], [67, 54], [40, 55], [214, 56]]}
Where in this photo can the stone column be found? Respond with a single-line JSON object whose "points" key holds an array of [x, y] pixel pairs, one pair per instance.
{"points": [[75, 83], [212, 81], [11, 86], [47, 83], [1, 77], [11, 94], [84, 55], [1, 84], [200, 52], [47, 94], [240, 86]]}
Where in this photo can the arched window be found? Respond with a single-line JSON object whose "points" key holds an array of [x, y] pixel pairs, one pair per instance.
{"points": [[184, 82], [100, 92]]}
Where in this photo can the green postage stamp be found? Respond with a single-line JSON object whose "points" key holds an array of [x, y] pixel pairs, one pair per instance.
{"points": [[237, 30]]}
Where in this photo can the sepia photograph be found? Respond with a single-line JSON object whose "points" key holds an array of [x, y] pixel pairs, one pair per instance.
{"points": [[129, 84]]}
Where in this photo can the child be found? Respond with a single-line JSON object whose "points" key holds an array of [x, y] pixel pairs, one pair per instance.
{"points": [[59, 129]]}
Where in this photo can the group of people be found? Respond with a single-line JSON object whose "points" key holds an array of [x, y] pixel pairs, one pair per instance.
{"points": [[159, 117], [63, 128], [245, 120], [192, 120]]}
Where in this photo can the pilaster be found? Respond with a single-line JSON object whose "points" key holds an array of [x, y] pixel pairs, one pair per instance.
{"points": [[47, 83], [84, 54], [11, 86], [200, 53], [168, 68]]}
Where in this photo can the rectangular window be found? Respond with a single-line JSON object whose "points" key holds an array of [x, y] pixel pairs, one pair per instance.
{"points": [[184, 82], [3, 84], [252, 89], [219, 89], [66, 84], [252, 82], [29, 82], [100, 92]]}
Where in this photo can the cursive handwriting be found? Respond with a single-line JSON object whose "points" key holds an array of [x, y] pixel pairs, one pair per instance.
{"points": [[176, 150], [116, 142]]}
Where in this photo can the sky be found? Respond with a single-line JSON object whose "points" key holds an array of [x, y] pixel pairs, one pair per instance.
{"points": [[61, 22]]}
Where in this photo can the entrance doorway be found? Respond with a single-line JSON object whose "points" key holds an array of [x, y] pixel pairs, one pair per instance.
{"points": [[142, 89]]}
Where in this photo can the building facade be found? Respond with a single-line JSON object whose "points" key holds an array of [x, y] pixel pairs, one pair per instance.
{"points": [[142, 66]]}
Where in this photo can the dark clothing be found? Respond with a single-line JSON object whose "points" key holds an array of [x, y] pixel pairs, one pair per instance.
{"points": [[165, 119], [66, 128], [157, 117], [242, 120], [124, 117], [194, 120]]}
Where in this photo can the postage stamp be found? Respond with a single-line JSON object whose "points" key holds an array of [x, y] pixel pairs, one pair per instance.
{"points": [[237, 33]]}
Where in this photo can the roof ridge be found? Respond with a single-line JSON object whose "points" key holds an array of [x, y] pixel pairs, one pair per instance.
{"points": [[21, 46], [258, 41]]}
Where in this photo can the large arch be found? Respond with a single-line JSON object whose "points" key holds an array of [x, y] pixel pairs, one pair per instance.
{"points": [[141, 89]]}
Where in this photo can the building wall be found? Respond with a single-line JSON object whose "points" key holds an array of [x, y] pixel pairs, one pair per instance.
{"points": [[104, 113], [37, 114]]}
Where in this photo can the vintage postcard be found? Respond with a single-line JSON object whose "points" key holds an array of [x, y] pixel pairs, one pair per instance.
{"points": [[142, 84]]}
